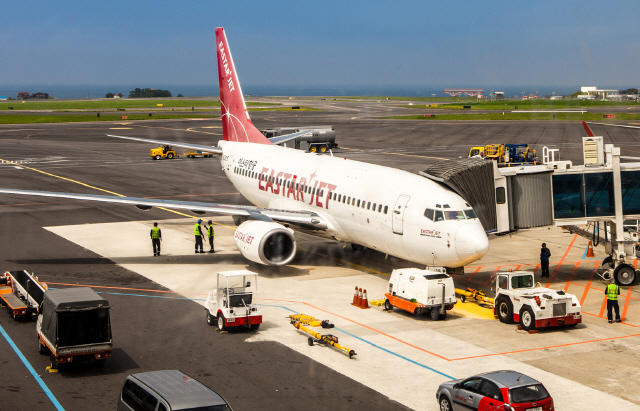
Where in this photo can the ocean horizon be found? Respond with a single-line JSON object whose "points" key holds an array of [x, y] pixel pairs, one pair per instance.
{"points": [[99, 91]]}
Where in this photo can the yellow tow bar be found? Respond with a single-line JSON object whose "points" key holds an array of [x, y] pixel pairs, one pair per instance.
{"points": [[300, 320], [477, 295]]}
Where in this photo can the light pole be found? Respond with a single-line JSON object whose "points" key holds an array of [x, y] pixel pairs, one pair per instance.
{"points": [[522, 95]]}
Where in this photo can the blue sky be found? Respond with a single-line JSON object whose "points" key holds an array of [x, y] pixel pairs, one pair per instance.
{"points": [[456, 43]]}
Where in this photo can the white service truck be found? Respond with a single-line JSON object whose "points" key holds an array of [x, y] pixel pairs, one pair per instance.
{"points": [[230, 304], [518, 300], [418, 291]]}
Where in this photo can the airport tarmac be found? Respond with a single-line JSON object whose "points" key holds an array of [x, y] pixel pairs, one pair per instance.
{"points": [[158, 321]]}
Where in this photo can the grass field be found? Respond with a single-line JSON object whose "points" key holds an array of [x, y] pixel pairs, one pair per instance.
{"points": [[526, 105], [523, 116], [28, 119], [112, 104]]}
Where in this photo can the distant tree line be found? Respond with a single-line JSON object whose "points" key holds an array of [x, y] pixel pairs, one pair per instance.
{"points": [[149, 92], [629, 91]]}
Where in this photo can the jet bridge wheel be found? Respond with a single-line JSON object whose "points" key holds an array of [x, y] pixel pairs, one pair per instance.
{"points": [[624, 274]]}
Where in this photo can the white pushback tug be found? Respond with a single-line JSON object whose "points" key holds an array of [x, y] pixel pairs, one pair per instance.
{"points": [[230, 304]]}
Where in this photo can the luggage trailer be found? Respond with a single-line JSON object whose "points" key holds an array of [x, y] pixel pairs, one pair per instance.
{"points": [[21, 293]]}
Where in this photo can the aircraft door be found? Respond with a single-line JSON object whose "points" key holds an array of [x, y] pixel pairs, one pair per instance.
{"points": [[398, 213]]}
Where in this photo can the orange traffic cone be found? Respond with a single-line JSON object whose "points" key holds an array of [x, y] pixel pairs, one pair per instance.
{"points": [[590, 250], [355, 297], [365, 300], [359, 297]]}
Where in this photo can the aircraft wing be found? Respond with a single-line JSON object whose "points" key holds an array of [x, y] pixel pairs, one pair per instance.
{"points": [[256, 213], [208, 149], [289, 137]]}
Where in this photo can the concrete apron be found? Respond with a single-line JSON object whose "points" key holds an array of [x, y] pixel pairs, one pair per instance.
{"points": [[398, 355]]}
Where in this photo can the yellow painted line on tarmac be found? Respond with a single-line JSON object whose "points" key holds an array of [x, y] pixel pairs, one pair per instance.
{"points": [[120, 128], [106, 191]]}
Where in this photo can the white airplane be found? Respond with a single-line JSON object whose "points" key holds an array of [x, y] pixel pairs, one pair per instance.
{"points": [[386, 209]]}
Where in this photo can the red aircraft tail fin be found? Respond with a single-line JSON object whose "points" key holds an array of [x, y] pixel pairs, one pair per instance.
{"points": [[586, 127], [236, 124]]}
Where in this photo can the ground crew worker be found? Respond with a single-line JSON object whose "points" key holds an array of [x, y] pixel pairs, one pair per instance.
{"points": [[612, 291], [156, 237], [197, 231], [544, 260], [211, 233]]}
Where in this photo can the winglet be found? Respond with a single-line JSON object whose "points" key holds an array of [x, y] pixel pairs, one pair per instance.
{"points": [[586, 127], [236, 124]]}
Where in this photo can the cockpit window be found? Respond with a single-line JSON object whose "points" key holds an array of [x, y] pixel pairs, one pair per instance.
{"points": [[429, 214], [439, 216], [454, 215], [470, 213]]}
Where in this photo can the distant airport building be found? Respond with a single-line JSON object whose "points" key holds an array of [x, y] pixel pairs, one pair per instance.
{"points": [[593, 93], [3, 98], [473, 92]]}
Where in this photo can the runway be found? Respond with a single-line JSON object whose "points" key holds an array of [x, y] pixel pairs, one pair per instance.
{"points": [[158, 321]]}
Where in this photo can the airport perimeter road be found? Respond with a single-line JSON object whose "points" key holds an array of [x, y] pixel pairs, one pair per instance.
{"points": [[159, 324]]}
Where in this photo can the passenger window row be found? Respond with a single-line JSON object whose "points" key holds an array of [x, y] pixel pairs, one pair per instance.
{"points": [[358, 203], [311, 190]]}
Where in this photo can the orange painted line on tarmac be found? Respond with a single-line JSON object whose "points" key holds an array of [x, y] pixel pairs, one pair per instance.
{"points": [[536, 269], [517, 267], [623, 322], [566, 286], [365, 326], [604, 305], [626, 304], [555, 272], [474, 273], [492, 274], [586, 290], [545, 348]]}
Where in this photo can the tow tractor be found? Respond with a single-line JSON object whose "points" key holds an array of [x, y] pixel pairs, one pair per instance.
{"points": [[518, 300], [230, 304], [421, 292], [163, 152], [21, 293]]}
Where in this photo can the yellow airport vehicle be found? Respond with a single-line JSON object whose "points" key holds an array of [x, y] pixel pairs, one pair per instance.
{"points": [[300, 320], [477, 152], [163, 152]]}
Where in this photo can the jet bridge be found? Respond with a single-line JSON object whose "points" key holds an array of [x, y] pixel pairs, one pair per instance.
{"points": [[591, 200]]}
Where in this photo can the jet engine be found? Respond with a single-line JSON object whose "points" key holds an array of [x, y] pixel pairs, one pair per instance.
{"points": [[265, 242]]}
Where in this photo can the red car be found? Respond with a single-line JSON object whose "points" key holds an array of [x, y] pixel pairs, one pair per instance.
{"points": [[493, 391]]}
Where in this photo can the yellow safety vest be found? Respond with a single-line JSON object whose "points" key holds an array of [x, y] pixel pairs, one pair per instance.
{"points": [[211, 232], [155, 232], [196, 229], [612, 292]]}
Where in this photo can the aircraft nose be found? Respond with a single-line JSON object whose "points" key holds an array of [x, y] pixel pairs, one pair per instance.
{"points": [[471, 242]]}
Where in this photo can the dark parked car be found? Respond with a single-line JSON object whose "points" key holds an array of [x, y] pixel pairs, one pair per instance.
{"points": [[166, 391], [493, 391]]}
